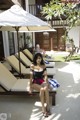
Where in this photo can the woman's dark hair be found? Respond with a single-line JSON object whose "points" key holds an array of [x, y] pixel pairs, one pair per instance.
{"points": [[35, 58]]}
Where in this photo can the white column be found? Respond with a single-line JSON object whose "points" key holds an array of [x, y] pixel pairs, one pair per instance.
{"points": [[27, 5], [33, 37], [27, 2], [6, 43]]}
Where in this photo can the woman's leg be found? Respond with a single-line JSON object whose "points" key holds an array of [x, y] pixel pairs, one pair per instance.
{"points": [[46, 95], [41, 90], [42, 98], [47, 100], [45, 86]]}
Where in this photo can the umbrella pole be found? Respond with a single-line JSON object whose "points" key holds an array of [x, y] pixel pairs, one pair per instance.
{"points": [[17, 29]]}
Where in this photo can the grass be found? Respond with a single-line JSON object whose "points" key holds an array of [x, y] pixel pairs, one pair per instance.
{"points": [[76, 57], [59, 58], [63, 59]]}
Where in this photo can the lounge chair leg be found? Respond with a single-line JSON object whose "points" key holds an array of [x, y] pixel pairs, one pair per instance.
{"points": [[53, 99]]}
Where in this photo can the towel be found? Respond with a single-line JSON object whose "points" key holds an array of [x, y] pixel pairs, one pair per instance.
{"points": [[46, 62], [53, 83]]}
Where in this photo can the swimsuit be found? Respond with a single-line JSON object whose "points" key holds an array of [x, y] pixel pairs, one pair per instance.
{"points": [[38, 76]]}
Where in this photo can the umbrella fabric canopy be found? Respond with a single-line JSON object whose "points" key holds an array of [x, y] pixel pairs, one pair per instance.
{"points": [[17, 16], [17, 19]]}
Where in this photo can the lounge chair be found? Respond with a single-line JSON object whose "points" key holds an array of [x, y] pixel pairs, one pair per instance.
{"points": [[24, 59], [13, 86], [30, 56], [14, 62], [9, 82], [49, 59], [27, 62]]}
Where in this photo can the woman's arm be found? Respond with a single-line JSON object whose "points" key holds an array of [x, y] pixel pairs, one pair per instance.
{"points": [[45, 75]]}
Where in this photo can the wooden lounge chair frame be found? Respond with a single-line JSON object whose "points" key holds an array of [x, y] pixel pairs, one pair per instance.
{"points": [[13, 86]]}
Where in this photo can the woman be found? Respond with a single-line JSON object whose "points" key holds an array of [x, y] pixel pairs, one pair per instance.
{"points": [[39, 81]]}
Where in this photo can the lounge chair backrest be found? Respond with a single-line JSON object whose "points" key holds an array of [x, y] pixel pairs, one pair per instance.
{"points": [[24, 59], [28, 53], [14, 62], [7, 80]]}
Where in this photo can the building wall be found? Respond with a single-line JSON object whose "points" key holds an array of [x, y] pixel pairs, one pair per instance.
{"points": [[74, 33]]}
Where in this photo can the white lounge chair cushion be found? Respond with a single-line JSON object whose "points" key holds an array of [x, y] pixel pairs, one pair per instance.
{"points": [[28, 53], [24, 59], [51, 71], [10, 82], [7, 80], [49, 59], [14, 62], [21, 85], [50, 64]]}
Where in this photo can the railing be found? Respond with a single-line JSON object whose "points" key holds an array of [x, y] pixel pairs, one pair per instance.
{"points": [[56, 23]]}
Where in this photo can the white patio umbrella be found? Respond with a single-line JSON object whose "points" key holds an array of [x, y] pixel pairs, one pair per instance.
{"points": [[16, 16], [17, 19]]}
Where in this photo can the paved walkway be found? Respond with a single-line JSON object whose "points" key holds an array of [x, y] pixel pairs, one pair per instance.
{"points": [[67, 98], [68, 95]]}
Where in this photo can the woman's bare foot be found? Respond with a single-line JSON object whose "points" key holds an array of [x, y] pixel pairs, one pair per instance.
{"points": [[45, 113], [48, 110]]}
